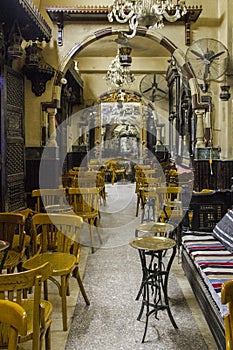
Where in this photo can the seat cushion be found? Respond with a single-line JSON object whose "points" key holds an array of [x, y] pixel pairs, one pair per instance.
{"points": [[223, 231]]}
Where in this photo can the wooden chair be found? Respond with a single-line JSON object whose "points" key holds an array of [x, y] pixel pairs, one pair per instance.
{"points": [[168, 203], [15, 316], [58, 239], [38, 311], [13, 225], [227, 298], [48, 197], [85, 204], [142, 185]]}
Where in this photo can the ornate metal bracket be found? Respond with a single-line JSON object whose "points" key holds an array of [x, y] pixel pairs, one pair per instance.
{"points": [[39, 77]]}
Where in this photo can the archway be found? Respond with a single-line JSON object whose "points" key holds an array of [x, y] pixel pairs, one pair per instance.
{"points": [[177, 54]]}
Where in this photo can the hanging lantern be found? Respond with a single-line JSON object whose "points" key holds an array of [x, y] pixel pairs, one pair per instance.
{"points": [[124, 56], [15, 39], [33, 55]]}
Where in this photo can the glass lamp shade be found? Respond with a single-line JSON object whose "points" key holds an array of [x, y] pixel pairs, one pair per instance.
{"points": [[124, 56]]}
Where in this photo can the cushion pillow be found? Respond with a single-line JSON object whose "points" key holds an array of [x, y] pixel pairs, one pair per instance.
{"points": [[223, 231]]}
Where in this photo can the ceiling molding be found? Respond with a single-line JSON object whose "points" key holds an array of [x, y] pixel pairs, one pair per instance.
{"points": [[62, 15]]}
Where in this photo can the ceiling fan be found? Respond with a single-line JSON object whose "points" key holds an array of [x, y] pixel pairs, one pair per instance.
{"points": [[209, 59], [154, 87]]}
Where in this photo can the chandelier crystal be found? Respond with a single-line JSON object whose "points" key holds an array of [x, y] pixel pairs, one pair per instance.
{"points": [[118, 74], [149, 13]]}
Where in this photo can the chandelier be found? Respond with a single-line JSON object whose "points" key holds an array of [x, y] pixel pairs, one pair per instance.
{"points": [[118, 74], [149, 13]]}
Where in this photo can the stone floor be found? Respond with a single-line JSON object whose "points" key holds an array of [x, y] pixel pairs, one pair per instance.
{"points": [[111, 278]]}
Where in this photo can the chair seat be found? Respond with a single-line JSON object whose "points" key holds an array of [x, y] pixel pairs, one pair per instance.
{"points": [[27, 304], [61, 263], [87, 215]]}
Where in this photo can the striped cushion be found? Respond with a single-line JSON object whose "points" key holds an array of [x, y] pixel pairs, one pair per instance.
{"points": [[223, 231], [213, 261]]}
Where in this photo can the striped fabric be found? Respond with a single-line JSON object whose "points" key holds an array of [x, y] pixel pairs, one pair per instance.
{"points": [[223, 231], [213, 261]]}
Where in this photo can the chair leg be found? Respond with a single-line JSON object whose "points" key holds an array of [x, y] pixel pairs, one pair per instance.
{"points": [[47, 339], [80, 283], [91, 223], [63, 300], [97, 230], [138, 203]]}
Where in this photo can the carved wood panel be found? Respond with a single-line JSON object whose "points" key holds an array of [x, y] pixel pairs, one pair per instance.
{"points": [[12, 141]]}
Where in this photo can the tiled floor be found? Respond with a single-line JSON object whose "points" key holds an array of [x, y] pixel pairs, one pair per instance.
{"points": [[118, 223]]}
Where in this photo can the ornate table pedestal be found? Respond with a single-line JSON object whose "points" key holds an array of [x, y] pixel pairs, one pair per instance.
{"points": [[155, 275]]}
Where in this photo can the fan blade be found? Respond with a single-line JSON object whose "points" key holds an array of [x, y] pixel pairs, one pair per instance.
{"points": [[154, 82], [216, 55], [197, 54], [147, 90], [158, 89]]}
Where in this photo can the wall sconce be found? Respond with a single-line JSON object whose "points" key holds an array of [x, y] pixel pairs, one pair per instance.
{"points": [[15, 39], [36, 69]]}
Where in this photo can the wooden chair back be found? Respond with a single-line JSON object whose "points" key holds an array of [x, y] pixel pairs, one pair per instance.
{"points": [[84, 201], [12, 287], [12, 229], [56, 233], [227, 298], [15, 316], [86, 179], [168, 202], [47, 197], [11, 224]]}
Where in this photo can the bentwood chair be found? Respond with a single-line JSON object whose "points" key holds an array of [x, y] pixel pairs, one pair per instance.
{"points": [[227, 298], [38, 311], [15, 316], [12, 229], [57, 239], [85, 204]]}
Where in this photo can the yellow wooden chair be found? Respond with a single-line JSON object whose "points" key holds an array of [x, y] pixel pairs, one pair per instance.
{"points": [[15, 316], [12, 227], [38, 311], [85, 204], [168, 203], [227, 298], [57, 237]]}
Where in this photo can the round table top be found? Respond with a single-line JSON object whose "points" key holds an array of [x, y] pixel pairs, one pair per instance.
{"points": [[4, 245], [155, 227], [152, 243]]}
